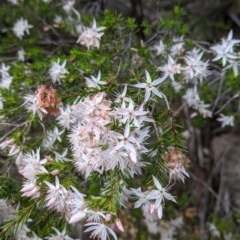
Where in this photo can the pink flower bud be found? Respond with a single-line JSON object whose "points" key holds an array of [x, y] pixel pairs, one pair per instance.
{"points": [[152, 207], [119, 224], [54, 172], [159, 212], [48, 158], [193, 115], [236, 95], [108, 217]]}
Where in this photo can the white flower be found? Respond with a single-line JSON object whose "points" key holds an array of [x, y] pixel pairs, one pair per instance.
{"points": [[230, 41], [225, 50], [159, 195], [30, 189], [58, 71], [66, 118], [177, 171], [226, 120], [100, 231], [234, 64], [195, 67], [33, 165], [21, 54], [192, 97], [75, 202], [91, 36], [176, 86], [178, 46], [201, 107], [150, 86], [127, 142], [159, 48], [59, 235], [62, 156], [95, 82], [4, 70], [20, 27], [56, 195], [143, 198], [213, 230], [95, 216], [129, 114], [32, 105], [121, 97], [5, 82], [51, 137], [57, 21], [6, 79], [24, 233], [68, 6], [170, 68]]}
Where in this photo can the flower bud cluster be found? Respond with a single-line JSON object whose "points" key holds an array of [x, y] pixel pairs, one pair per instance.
{"points": [[44, 101], [176, 162]]}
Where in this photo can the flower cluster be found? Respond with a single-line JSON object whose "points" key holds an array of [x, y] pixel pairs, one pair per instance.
{"points": [[6, 79], [44, 101], [176, 162], [225, 51], [152, 199], [70, 203], [97, 147], [91, 36], [187, 69]]}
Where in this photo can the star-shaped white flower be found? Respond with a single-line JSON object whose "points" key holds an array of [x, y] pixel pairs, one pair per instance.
{"points": [[4, 70], [159, 48], [226, 120], [127, 142], [94, 82], [20, 27], [100, 231], [149, 86], [91, 36], [170, 69], [143, 198], [159, 195], [58, 71]]}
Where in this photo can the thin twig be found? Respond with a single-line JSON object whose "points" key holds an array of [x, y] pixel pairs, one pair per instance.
{"points": [[202, 48], [12, 130], [224, 105], [193, 176], [219, 91]]}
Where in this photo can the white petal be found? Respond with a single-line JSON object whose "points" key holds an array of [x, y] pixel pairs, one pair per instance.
{"points": [[156, 92], [157, 183], [148, 78], [147, 95], [158, 81], [159, 211], [77, 217], [140, 85]]}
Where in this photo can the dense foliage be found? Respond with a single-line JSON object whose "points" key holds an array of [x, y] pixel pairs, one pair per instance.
{"points": [[95, 120]]}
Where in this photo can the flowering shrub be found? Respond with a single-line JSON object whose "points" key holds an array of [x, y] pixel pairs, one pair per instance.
{"points": [[89, 116]]}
